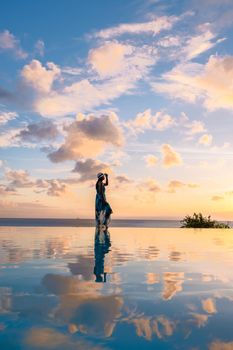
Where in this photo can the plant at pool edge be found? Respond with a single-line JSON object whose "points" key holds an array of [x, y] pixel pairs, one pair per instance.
{"points": [[200, 221]]}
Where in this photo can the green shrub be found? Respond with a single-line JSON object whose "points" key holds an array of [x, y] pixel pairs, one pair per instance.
{"points": [[199, 221]]}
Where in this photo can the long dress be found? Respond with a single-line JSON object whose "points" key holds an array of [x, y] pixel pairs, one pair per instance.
{"points": [[103, 210]]}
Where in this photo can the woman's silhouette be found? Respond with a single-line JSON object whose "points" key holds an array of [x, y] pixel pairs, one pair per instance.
{"points": [[102, 245], [103, 210]]}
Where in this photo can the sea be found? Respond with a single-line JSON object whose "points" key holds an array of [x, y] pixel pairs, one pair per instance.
{"points": [[54, 222]]}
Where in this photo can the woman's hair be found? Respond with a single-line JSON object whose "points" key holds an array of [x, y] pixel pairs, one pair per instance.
{"points": [[100, 175]]}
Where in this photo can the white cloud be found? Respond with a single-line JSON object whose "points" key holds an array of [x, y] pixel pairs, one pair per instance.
{"points": [[39, 47], [152, 27], [109, 59], [50, 99], [5, 117], [198, 44], [146, 120], [170, 41], [208, 83], [8, 138], [8, 42], [38, 77], [195, 127]]}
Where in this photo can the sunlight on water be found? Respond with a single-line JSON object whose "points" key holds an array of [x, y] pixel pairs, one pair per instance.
{"points": [[144, 288]]}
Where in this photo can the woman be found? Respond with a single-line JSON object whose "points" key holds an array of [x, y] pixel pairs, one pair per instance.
{"points": [[103, 210]]}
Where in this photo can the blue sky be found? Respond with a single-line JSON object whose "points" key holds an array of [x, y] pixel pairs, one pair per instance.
{"points": [[140, 89]]}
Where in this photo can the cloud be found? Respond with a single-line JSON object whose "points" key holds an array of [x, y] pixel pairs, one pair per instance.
{"points": [[150, 185], [18, 178], [48, 338], [152, 27], [8, 42], [143, 327], [169, 41], [146, 120], [217, 198], [200, 319], [89, 137], [198, 44], [5, 117], [8, 138], [221, 345], [108, 59], [194, 82], [76, 298], [209, 306], [170, 156], [53, 94], [123, 179], [89, 168], [54, 187], [39, 47], [151, 160], [205, 140], [44, 130], [195, 127], [174, 185], [172, 284], [163, 121], [38, 77], [6, 190], [160, 326]]}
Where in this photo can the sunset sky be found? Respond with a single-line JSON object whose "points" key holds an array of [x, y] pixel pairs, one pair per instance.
{"points": [[142, 90]]}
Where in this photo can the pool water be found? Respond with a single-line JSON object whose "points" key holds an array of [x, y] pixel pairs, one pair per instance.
{"points": [[126, 288]]}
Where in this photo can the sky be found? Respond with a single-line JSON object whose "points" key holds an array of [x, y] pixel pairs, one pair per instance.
{"points": [[142, 90]]}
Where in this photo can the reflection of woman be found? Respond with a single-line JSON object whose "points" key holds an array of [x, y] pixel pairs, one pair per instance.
{"points": [[102, 245], [103, 210]]}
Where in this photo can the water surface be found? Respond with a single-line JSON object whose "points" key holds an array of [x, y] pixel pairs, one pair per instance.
{"points": [[140, 288]]}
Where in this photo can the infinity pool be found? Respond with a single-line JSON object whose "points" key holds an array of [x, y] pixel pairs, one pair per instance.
{"points": [[129, 288]]}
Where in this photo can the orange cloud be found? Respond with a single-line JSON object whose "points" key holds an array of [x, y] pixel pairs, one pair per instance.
{"points": [[172, 284], [170, 156], [220, 345], [208, 305], [151, 160], [193, 81], [205, 140], [89, 137]]}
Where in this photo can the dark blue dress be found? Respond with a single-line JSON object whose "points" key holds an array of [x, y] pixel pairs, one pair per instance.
{"points": [[103, 210]]}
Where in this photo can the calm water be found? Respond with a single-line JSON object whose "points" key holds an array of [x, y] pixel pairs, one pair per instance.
{"points": [[130, 288]]}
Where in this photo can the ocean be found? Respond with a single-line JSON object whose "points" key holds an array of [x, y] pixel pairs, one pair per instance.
{"points": [[48, 222]]}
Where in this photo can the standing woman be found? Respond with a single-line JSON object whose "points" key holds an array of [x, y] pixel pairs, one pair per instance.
{"points": [[103, 210]]}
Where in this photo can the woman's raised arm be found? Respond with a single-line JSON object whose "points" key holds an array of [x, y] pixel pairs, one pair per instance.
{"points": [[106, 180]]}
